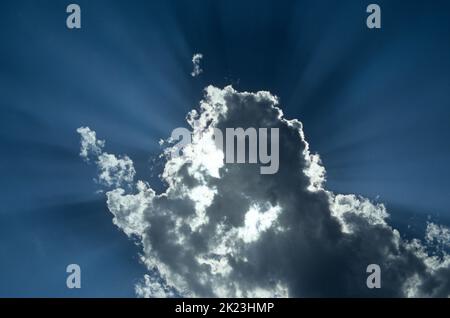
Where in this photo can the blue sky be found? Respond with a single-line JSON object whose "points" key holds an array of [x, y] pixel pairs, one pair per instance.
{"points": [[374, 104]]}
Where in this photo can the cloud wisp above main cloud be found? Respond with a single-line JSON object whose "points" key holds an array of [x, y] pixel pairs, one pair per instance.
{"points": [[225, 230], [196, 60]]}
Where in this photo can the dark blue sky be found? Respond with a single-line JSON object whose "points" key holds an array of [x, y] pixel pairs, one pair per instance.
{"points": [[375, 105]]}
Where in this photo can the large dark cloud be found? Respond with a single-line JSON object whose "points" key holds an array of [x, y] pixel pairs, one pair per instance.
{"points": [[225, 229]]}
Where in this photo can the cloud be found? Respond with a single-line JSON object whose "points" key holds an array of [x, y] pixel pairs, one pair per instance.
{"points": [[196, 59], [226, 230], [437, 234], [89, 143], [113, 171]]}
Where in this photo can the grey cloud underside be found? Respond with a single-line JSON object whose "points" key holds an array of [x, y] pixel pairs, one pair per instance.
{"points": [[227, 230]]}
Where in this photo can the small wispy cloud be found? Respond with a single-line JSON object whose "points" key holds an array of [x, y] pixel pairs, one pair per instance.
{"points": [[196, 59], [113, 171]]}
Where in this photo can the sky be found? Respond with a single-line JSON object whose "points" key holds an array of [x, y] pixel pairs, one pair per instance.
{"points": [[374, 105]]}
